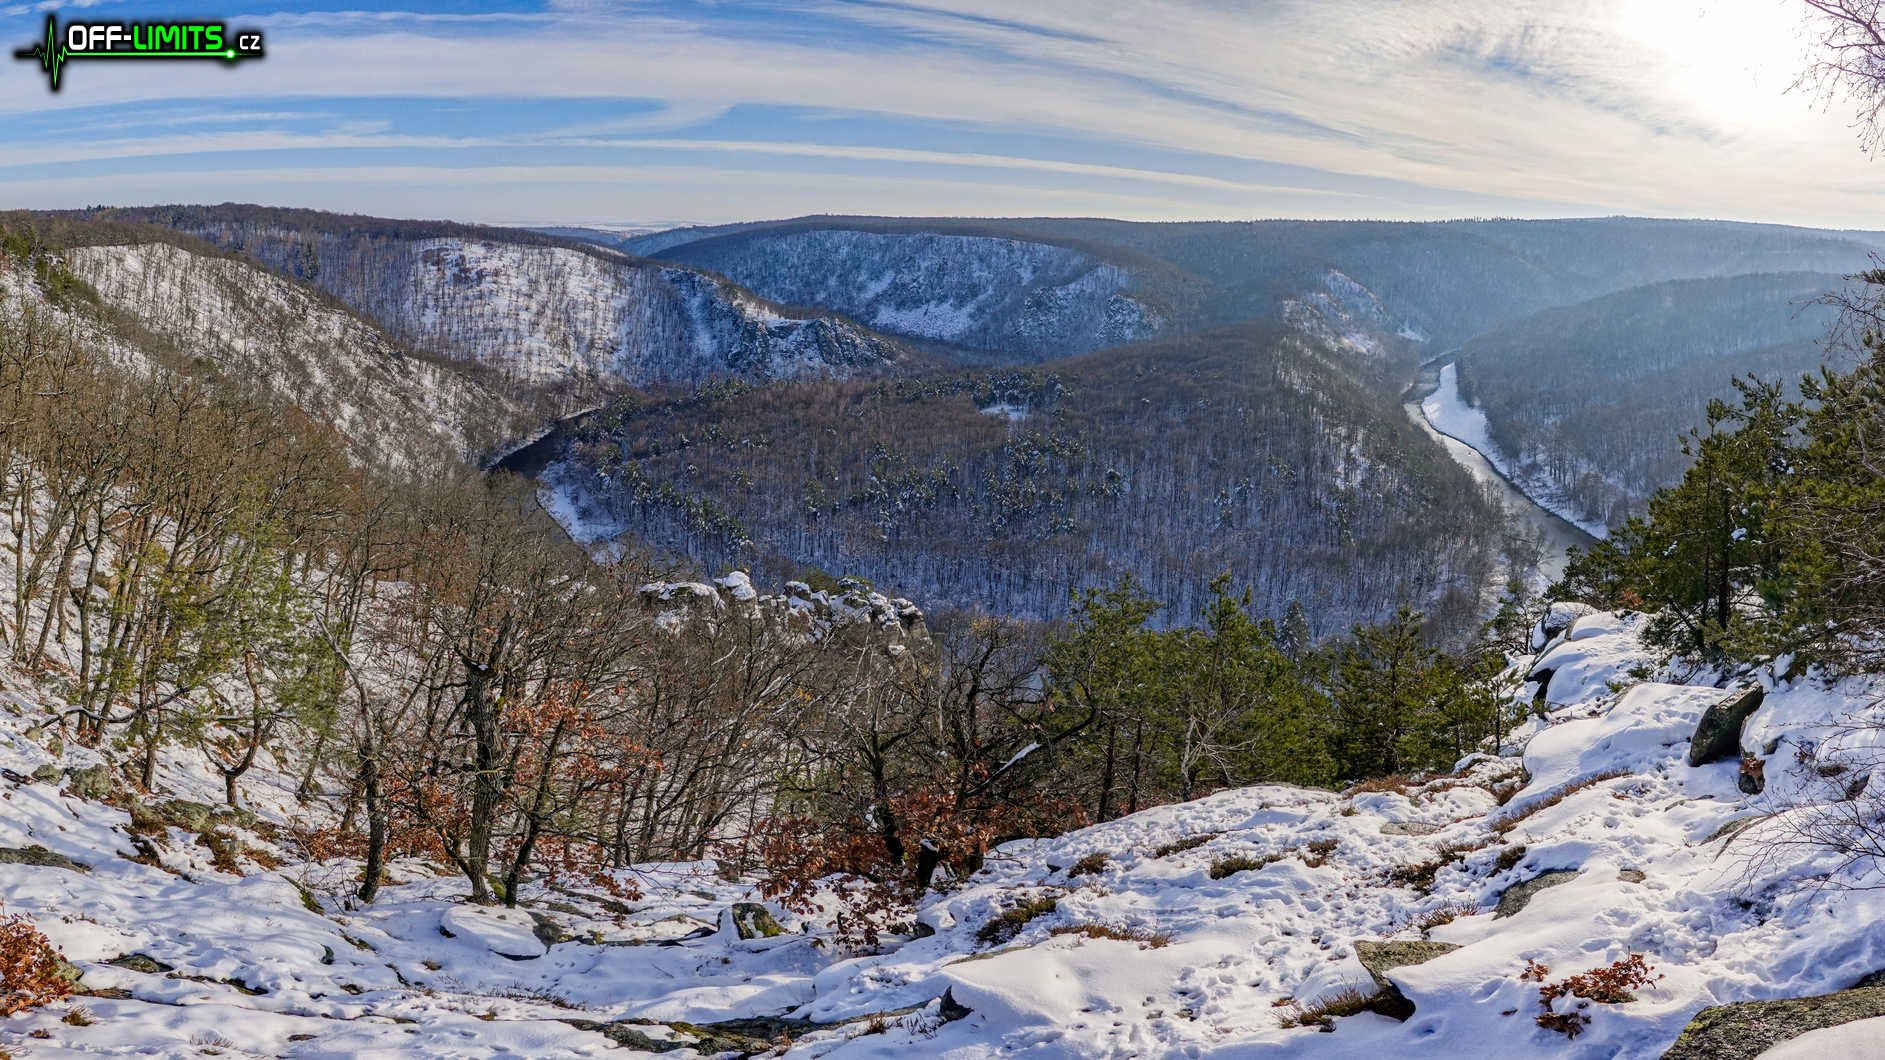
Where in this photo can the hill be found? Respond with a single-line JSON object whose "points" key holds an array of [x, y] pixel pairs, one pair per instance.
{"points": [[1589, 403], [1249, 451]]}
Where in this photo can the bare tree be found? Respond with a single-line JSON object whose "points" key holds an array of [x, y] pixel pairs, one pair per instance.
{"points": [[1850, 60]]}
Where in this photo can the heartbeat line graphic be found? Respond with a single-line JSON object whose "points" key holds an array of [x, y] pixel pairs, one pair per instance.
{"points": [[52, 54]]}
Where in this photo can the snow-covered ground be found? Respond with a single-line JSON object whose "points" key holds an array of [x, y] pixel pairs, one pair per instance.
{"points": [[1211, 953], [1452, 415]]}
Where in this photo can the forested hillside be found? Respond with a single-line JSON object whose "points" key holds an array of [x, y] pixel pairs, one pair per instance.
{"points": [[150, 300], [1007, 295], [1447, 280], [1595, 398], [1247, 451], [541, 312]]}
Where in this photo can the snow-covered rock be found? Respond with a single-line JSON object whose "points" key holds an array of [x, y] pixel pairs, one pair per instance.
{"points": [[505, 932]]}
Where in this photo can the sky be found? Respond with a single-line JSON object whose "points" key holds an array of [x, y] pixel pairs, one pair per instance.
{"points": [[669, 111]]}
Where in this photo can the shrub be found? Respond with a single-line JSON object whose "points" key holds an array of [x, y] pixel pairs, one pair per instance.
{"points": [[1090, 864], [1604, 986], [32, 973], [1009, 923], [1316, 854], [1151, 940]]}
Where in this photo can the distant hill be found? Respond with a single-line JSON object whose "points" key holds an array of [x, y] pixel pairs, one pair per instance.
{"points": [[1594, 398]]}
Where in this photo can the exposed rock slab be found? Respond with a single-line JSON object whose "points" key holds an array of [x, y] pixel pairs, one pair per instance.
{"points": [[1746, 1030], [40, 856], [1520, 895]]}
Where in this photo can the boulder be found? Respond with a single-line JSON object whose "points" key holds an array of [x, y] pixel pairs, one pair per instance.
{"points": [[172, 813], [1718, 734], [40, 856], [1558, 618], [752, 921], [141, 962], [1381, 958], [1520, 895], [1746, 1030], [91, 782]]}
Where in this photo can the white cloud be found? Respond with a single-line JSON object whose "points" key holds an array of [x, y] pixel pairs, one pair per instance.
{"points": [[1671, 107]]}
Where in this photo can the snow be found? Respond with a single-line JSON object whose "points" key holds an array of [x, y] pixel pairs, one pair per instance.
{"points": [[1606, 792], [1860, 1038], [1452, 415]]}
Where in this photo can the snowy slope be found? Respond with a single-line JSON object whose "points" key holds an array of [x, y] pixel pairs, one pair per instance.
{"points": [[1654, 876], [270, 960], [542, 313], [269, 332]]}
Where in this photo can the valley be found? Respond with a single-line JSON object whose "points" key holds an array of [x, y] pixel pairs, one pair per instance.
{"points": [[857, 637], [765, 530], [1556, 535]]}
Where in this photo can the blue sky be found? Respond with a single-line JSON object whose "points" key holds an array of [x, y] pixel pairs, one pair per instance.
{"points": [[668, 111]]}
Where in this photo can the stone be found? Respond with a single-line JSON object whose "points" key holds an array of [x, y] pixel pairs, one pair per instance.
{"points": [[40, 856], [1520, 895], [1558, 618], [1381, 958], [549, 930], [91, 782], [1409, 828], [752, 921], [141, 962], [1718, 734], [48, 774], [1747, 1029]]}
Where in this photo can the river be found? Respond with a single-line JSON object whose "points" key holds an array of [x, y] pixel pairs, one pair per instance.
{"points": [[1556, 533]]}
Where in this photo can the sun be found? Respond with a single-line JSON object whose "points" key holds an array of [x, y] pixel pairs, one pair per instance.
{"points": [[1730, 60]]}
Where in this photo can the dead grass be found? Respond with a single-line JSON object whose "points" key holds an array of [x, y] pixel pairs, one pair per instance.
{"points": [[1009, 923], [1347, 1001], [1316, 854], [1151, 940], [1395, 783], [1556, 796], [1179, 846], [1091, 864], [1236, 863], [1433, 918], [1420, 875]]}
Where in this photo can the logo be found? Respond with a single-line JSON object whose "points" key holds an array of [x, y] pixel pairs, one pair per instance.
{"points": [[139, 40]]}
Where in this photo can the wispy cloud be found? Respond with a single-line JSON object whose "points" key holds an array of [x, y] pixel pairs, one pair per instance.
{"points": [[1172, 108]]}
